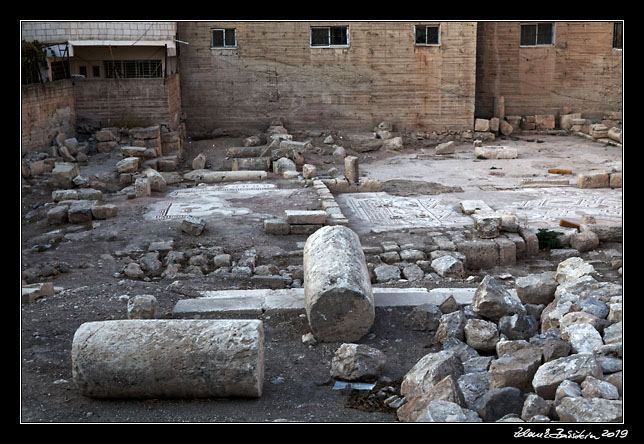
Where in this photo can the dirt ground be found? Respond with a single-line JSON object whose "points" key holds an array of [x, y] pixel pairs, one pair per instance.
{"points": [[86, 261]]}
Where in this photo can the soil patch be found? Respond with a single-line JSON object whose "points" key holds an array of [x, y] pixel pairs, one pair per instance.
{"points": [[417, 188]]}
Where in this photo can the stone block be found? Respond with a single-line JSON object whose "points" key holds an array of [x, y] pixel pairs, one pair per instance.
{"points": [[64, 173], [106, 147], [309, 171], [168, 163], [127, 165], [445, 148], [480, 254], [142, 306], [597, 180], [482, 125], [301, 217], [193, 225], [615, 180], [276, 226], [142, 187], [151, 132], [104, 211], [544, 121], [495, 152], [574, 368], [133, 151], [80, 212], [487, 223], [57, 215], [471, 206]]}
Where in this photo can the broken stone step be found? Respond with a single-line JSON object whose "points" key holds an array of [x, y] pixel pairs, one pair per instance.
{"points": [[304, 217]]}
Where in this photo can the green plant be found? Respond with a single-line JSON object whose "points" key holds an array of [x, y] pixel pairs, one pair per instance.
{"points": [[548, 239]]}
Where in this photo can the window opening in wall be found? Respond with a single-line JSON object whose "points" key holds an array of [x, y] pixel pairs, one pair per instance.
{"points": [[96, 71], [223, 38], [617, 35], [82, 70], [537, 34], [133, 69], [427, 34], [326, 36]]}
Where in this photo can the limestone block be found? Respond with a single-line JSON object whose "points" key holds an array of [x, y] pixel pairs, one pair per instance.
{"points": [[63, 173], [301, 217], [193, 225], [545, 121], [127, 165], [482, 125], [596, 180], [445, 148], [574, 368], [495, 152]]}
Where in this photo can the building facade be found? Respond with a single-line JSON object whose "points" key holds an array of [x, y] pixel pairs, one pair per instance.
{"points": [[109, 74], [424, 75], [348, 75], [540, 68]]}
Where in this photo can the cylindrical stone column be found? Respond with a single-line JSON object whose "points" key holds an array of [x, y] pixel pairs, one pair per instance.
{"points": [[337, 288], [351, 171], [169, 358]]}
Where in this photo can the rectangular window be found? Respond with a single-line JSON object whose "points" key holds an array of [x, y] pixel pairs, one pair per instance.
{"points": [[327, 36], [96, 71], [537, 34], [133, 69], [617, 35], [427, 34], [223, 38]]}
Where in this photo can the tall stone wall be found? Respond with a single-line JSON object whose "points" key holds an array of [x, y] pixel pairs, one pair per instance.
{"points": [[128, 102], [381, 75], [46, 110], [581, 70]]}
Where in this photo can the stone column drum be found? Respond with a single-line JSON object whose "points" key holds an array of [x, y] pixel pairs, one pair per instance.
{"points": [[337, 288], [169, 358]]}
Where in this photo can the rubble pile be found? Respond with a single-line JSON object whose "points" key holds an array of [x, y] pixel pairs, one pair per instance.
{"points": [[552, 352]]}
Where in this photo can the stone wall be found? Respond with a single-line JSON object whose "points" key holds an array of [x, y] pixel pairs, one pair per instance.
{"points": [[581, 70], [381, 75], [46, 110], [128, 102]]}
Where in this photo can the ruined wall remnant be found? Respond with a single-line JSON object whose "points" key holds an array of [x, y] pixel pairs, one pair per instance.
{"points": [[580, 70], [381, 74], [47, 110]]}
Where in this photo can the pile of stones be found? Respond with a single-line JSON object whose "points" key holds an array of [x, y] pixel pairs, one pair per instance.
{"points": [[161, 261], [553, 352]]}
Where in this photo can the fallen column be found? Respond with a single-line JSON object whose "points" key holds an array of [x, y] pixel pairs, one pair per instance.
{"points": [[207, 176], [175, 358], [338, 296]]}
